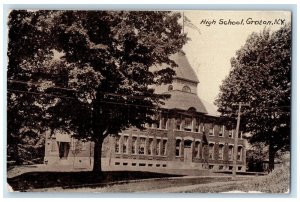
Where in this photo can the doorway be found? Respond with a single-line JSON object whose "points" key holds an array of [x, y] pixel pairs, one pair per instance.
{"points": [[188, 151], [64, 148]]}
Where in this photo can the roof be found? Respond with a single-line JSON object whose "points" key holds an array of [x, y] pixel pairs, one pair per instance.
{"points": [[184, 69], [211, 109], [184, 101]]}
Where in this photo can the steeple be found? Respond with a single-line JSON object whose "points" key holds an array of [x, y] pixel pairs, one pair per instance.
{"points": [[183, 89], [184, 70]]}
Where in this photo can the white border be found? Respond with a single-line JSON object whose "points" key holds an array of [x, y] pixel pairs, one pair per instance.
{"points": [[157, 2]]}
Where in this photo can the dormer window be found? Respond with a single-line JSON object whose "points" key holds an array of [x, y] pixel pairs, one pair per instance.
{"points": [[170, 88], [186, 89]]}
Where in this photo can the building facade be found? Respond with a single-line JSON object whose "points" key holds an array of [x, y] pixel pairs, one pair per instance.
{"points": [[185, 136]]}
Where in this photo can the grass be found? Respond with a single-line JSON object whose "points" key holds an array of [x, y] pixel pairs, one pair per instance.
{"points": [[277, 181], [38, 180]]}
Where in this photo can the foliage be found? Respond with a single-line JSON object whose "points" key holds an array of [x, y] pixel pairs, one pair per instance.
{"points": [[255, 157], [278, 181], [88, 72], [25, 148], [261, 75]]}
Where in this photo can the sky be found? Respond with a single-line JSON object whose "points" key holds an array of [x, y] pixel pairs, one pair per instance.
{"points": [[210, 51]]}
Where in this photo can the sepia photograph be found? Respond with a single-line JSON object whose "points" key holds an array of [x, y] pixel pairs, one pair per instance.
{"points": [[149, 101]]}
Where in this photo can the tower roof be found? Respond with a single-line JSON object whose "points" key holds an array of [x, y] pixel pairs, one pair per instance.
{"points": [[184, 101], [184, 69]]}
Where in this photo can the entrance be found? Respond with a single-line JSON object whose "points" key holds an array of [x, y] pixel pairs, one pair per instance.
{"points": [[64, 148], [188, 152]]}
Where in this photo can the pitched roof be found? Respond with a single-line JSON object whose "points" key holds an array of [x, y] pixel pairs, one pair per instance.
{"points": [[184, 101], [211, 109], [184, 69]]}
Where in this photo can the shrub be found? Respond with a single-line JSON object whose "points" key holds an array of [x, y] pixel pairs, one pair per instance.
{"points": [[277, 181]]}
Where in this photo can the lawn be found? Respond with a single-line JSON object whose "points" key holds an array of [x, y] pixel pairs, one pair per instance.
{"points": [[277, 181], [37, 180]]}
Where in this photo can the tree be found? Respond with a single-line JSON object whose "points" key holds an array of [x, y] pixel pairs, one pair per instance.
{"points": [[261, 75], [90, 72], [255, 157]]}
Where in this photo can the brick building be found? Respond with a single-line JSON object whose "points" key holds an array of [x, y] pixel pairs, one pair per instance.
{"points": [[185, 136]]}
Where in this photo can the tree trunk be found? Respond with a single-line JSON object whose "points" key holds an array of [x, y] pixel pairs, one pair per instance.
{"points": [[271, 157], [97, 155]]}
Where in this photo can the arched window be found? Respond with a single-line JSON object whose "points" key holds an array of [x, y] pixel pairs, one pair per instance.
{"points": [[211, 151], [125, 144], [221, 149], [150, 148], [178, 141], [240, 153], [197, 149], [134, 142], [170, 88], [142, 146], [186, 89], [230, 152], [187, 124], [158, 147], [165, 147]]}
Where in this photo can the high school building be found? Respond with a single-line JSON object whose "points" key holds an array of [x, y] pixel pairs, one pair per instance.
{"points": [[185, 136]]}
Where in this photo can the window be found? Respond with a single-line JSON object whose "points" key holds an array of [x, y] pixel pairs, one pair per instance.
{"points": [[64, 148], [197, 124], [221, 132], [83, 145], [164, 122], [178, 123], [142, 146], [221, 167], [53, 145], [125, 145], [188, 124], [211, 167], [150, 149], [211, 151], [230, 152], [134, 143], [165, 147], [186, 89], [197, 149], [117, 144], [240, 153], [158, 141], [221, 149], [240, 135], [170, 88], [230, 134], [211, 130], [155, 124], [178, 141]]}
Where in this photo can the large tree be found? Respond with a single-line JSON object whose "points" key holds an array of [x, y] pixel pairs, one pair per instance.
{"points": [[88, 72], [261, 75]]}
